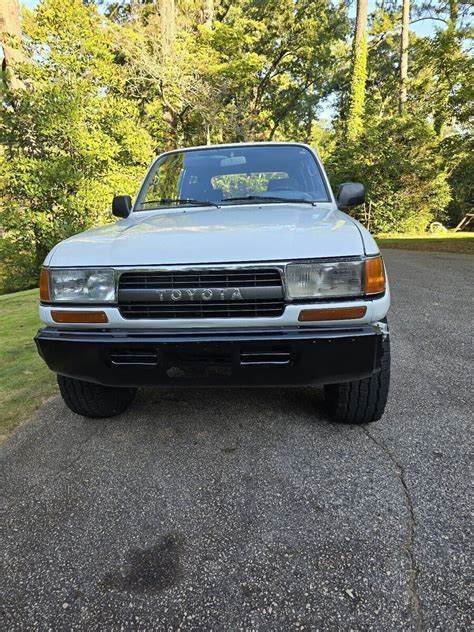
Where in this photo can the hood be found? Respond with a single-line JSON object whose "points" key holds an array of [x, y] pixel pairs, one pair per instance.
{"points": [[230, 234]]}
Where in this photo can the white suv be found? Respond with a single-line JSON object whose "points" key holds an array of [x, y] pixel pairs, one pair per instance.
{"points": [[234, 267]]}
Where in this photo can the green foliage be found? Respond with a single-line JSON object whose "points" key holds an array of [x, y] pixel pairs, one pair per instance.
{"points": [[458, 153], [437, 157], [71, 139], [398, 159], [261, 71], [102, 95], [355, 122]]}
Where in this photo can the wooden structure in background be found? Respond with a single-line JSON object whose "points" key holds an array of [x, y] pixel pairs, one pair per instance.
{"points": [[464, 223]]}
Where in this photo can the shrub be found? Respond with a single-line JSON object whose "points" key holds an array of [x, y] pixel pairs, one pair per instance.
{"points": [[399, 163]]}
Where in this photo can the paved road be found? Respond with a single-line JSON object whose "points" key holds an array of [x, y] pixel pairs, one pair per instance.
{"points": [[246, 509]]}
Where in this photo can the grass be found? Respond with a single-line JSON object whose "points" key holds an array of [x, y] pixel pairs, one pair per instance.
{"points": [[25, 380], [443, 242]]}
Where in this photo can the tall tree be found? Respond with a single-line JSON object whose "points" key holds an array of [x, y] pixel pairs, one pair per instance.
{"points": [[359, 73], [453, 16], [10, 29], [168, 25], [404, 54], [208, 12]]}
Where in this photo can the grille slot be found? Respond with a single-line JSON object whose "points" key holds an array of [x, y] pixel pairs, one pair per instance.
{"points": [[252, 305], [126, 357], [259, 358]]}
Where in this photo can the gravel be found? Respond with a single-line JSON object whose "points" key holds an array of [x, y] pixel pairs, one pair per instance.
{"points": [[246, 509]]}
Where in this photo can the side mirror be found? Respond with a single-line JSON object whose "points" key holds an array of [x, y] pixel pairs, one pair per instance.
{"points": [[350, 194], [121, 205]]}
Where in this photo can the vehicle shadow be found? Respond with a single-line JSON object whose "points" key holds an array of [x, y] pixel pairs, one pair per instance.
{"points": [[218, 410], [216, 421]]}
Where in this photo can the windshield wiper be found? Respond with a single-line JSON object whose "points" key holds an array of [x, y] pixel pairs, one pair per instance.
{"points": [[181, 201], [267, 198]]}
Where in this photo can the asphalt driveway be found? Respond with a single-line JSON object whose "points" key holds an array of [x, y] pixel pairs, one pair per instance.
{"points": [[247, 509]]}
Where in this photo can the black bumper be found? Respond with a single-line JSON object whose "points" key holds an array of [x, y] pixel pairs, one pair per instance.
{"points": [[292, 357]]}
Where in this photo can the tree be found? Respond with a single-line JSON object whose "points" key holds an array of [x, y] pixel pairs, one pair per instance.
{"points": [[404, 54], [400, 162], [208, 12], [70, 141], [442, 91], [10, 37], [108, 89], [168, 26], [359, 73], [276, 63], [261, 71]]}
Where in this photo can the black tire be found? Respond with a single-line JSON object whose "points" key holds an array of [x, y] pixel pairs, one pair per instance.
{"points": [[94, 400], [361, 401]]}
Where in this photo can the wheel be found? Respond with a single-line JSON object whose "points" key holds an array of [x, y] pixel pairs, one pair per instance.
{"points": [[361, 401], [94, 400]]}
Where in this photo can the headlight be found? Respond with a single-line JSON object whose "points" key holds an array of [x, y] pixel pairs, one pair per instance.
{"points": [[82, 286], [326, 279]]}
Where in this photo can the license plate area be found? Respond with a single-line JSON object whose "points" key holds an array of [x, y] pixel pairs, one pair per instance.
{"points": [[198, 360]]}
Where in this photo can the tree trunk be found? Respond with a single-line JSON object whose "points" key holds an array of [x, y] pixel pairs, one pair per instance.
{"points": [[10, 26], [404, 55], [168, 26], [453, 15], [309, 124], [359, 73], [208, 12], [361, 23]]}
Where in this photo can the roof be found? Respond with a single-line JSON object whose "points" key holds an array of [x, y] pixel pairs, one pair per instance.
{"points": [[243, 144]]}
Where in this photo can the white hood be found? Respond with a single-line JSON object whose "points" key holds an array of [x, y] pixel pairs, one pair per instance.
{"points": [[230, 234]]}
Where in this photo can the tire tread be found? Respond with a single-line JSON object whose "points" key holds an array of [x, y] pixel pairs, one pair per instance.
{"points": [[94, 400], [361, 401]]}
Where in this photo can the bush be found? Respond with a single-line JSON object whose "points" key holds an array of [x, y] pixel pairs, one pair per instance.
{"points": [[399, 163]]}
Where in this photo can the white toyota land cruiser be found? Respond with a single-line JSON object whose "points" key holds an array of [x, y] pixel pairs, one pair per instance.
{"points": [[234, 266]]}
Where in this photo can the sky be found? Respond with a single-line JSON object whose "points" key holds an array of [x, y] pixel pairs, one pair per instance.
{"points": [[421, 28]]}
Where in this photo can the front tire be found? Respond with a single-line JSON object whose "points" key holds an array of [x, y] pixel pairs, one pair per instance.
{"points": [[94, 400], [361, 401]]}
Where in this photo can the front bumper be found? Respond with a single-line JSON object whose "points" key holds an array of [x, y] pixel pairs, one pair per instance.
{"points": [[256, 357]]}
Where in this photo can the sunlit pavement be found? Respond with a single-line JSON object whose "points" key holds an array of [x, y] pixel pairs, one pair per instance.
{"points": [[230, 509]]}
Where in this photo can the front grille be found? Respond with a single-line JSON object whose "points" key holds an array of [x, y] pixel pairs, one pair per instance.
{"points": [[146, 295], [237, 309], [201, 279]]}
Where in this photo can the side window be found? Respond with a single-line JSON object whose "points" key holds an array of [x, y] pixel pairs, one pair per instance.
{"points": [[166, 180]]}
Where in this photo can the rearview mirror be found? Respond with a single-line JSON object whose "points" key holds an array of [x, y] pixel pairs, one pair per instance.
{"points": [[121, 205], [233, 161], [350, 194]]}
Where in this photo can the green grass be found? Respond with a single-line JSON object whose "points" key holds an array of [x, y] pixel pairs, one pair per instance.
{"points": [[442, 242], [25, 380]]}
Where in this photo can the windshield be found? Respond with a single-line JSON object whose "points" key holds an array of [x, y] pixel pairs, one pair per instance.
{"points": [[241, 174]]}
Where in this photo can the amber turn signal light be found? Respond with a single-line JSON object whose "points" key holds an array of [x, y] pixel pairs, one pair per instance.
{"points": [[44, 285], [374, 276], [332, 313], [79, 317]]}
